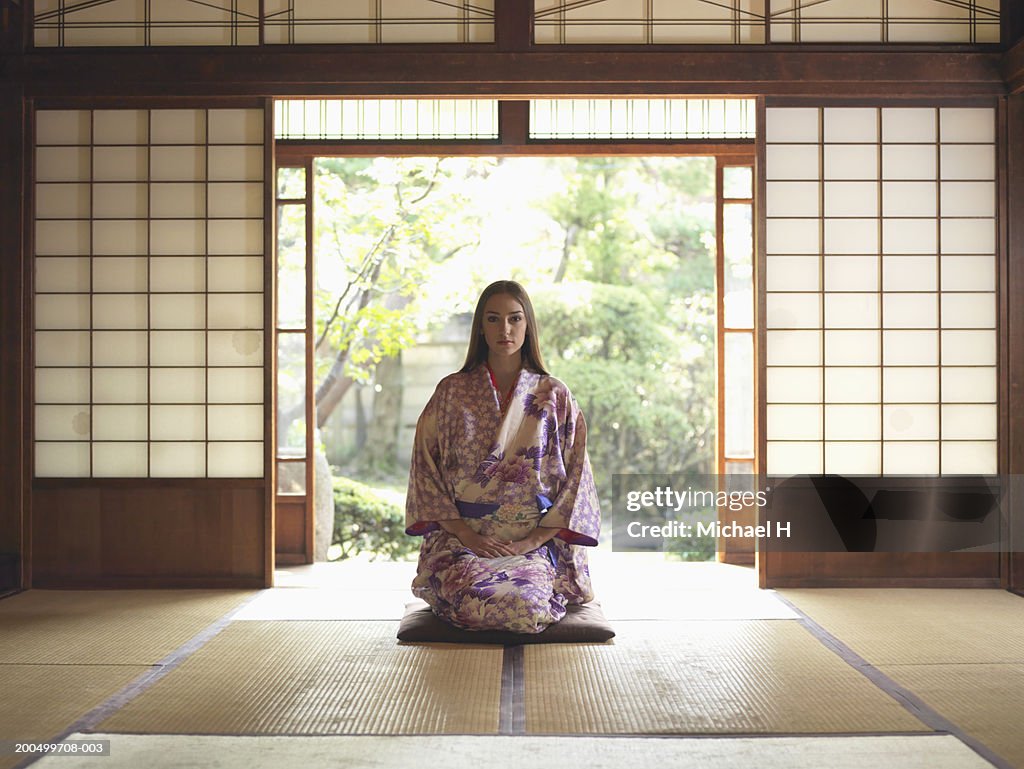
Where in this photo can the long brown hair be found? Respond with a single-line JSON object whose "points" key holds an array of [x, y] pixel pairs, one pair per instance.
{"points": [[478, 350]]}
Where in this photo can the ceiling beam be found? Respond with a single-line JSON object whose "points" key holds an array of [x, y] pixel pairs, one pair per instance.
{"points": [[325, 71], [1013, 68]]}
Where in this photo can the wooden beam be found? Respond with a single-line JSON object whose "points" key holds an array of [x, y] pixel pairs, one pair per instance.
{"points": [[513, 25], [1014, 334], [1013, 68], [401, 71]]}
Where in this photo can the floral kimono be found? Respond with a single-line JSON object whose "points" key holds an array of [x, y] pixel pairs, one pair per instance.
{"points": [[503, 474]]}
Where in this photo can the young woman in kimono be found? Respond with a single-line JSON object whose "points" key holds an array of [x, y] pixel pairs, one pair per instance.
{"points": [[500, 484]]}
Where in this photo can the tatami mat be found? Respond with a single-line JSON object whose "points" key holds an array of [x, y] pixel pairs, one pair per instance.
{"points": [[629, 604], [907, 626], [297, 603], [985, 701], [321, 678], [461, 752], [40, 701], [112, 627], [704, 678]]}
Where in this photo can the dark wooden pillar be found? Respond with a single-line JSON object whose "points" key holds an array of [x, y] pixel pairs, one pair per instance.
{"points": [[12, 334], [1014, 293]]}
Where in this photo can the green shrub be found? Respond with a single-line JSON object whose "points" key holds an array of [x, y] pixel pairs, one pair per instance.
{"points": [[365, 522]]}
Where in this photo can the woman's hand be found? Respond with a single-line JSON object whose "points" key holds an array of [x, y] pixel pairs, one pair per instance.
{"points": [[536, 538], [485, 546]]}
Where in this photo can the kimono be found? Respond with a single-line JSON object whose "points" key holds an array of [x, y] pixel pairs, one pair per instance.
{"points": [[503, 474]]}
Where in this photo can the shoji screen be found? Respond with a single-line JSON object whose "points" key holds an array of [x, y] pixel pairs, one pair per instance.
{"points": [[881, 290], [149, 261]]}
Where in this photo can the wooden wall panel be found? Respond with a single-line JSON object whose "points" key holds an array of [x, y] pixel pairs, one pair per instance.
{"points": [[148, 535], [882, 569], [1015, 334], [12, 408]]}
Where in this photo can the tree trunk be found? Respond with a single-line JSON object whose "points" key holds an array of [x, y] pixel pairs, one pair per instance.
{"points": [[380, 454]]}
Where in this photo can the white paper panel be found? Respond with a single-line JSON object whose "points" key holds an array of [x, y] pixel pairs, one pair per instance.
{"points": [[177, 385], [65, 274], [910, 310], [970, 457], [968, 199], [792, 458], [235, 385], [235, 164], [177, 460], [62, 348], [233, 311], [178, 348], [235, 236], [178, 311], [861, 458], [120, 126], [851, 310], [851, 273], [969, 348], [62, 423], [119, 385], [851, 161], [969, 422], [910, 458], [968, 273], [59, 126], [851, 348], [791, 124], [968, 310], [118, 237], [852, 385], [966, 161], [183, 237], [909, 273], [119, 348], [177, 273], [794, 348], [179, 126], [116, 423], [58, 238], [236, 200], [851, 236], [119, 460], [792, 236], [235, 460], [236, 348], [851, 124], [909, 124], [909, 199], [120, 164], [794, 311], [791, 161], [794, 422], [62, 460], [235, 423], [792, 273], [910, 422], [117, 200], [178, 423], [792, 199], [908, 161], [62, 311], [62, 385], [909, 236], [236, 126], [911, 385], [178, 164], [851, 198], [794, 385], [121, 274], [62, 164], [178, 200], [967, 124], [969, 385], [120, 311], [235, 273], [853, 422], [67, 201], [910, 348], [968, 236]]}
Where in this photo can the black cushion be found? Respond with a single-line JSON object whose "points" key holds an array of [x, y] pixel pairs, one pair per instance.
{"points": [[581, 624]]}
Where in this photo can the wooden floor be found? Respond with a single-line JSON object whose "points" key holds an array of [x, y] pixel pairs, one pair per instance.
{"points": [[705, 670]]}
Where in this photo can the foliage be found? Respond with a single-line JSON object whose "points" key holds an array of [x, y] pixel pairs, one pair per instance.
{"points": [[366, 522]]}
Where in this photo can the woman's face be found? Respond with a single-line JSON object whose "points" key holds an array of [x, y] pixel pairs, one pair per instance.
{"points": [[504, 325]]}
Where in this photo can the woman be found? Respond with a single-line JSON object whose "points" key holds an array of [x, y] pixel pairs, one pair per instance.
{"points": [[500, 483]]}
